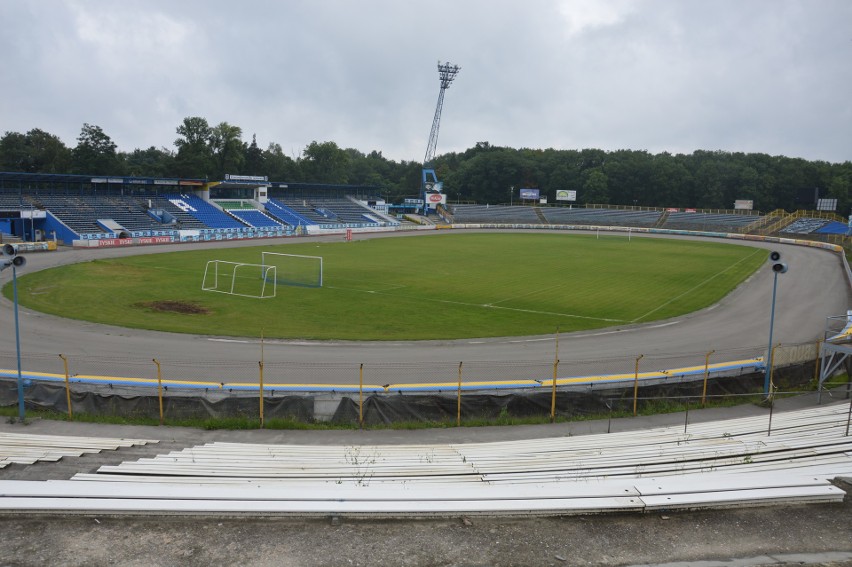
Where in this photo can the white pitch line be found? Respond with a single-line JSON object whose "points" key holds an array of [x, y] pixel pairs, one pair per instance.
{"points": [[491, 306], [687, 292]]}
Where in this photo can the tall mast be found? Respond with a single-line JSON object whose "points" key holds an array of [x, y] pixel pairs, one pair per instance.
{"points": [[446, 73]]}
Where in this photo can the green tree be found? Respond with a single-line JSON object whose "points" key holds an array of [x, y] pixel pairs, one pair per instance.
{"points": [[194, 157], [595, 189], [48, 154], [15, 153], [227, 148], [95, 153], [253, 159], [325, 163], [153, 162], [278, 166]]}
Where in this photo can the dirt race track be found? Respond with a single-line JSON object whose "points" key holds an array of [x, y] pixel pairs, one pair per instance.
{"points": [[737, 327], [814, 288]]}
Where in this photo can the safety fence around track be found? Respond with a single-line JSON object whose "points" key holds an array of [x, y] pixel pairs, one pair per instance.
{"points": [[406, 391], [373, 393]]}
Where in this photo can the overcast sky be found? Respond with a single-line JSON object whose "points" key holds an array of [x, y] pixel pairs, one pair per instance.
{"points": [[769, 76]]}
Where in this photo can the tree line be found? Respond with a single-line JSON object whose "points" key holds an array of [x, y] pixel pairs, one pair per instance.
{"points": [[481, 174]]}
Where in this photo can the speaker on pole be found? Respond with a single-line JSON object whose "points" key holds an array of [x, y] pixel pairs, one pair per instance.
{"points": [[778, 266]]}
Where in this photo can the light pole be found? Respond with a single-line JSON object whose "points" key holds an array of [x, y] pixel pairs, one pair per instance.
{"points": [[778, 267], [10, 258]]}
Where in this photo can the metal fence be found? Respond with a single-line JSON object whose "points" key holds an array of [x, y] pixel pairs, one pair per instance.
{"points": [[382, 393]]}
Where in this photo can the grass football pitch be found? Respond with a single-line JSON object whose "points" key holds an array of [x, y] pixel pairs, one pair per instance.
{"points": [[440, 286]]}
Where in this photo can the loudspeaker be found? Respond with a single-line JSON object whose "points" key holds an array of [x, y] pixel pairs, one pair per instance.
{"points": [[19, 261], [9, 251], [778, 266]]}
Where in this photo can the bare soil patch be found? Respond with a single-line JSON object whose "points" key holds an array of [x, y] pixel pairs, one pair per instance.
{"points": [[173, 306]]}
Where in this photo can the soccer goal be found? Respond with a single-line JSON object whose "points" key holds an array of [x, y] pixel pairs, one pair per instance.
{"points": [[292, 269], [238, 278]]}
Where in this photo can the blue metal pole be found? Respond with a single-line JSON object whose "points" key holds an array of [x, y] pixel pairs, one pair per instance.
{"points": [[18, 344], [768, 359]]}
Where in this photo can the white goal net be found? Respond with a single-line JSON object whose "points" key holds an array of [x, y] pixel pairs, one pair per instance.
{"points": [[293, 269], [238, 278]]}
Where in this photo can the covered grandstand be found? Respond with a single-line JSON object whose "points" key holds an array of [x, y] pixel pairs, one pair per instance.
{"points": [[77, 208], [99, 210]]}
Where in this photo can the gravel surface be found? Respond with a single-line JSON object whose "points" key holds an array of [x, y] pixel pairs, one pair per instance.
{"points": [[688, 537]]}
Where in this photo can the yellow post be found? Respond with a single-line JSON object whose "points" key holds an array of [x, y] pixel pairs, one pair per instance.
{"points": [[636, 383], [706, 375], [260, 396], [553, 393], [159, 389], [458, 402], [361, 396], [67, 387], [553, 389]]}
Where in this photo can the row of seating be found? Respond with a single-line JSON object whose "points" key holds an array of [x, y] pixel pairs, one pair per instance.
{"points": [[804, 226], [253, 217], [522, 214], [203, 211], [601, 217], [714, 464], [707, 221]]}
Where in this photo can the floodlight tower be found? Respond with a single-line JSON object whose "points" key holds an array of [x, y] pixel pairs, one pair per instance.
{"points": [[430, 186]]}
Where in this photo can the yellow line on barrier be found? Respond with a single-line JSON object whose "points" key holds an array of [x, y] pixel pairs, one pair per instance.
{"points": [[545, 382]]}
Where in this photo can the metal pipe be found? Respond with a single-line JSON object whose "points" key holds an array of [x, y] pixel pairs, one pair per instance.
{"points": [[159, 388], [706, 375], [67, 387], [260, 393], [771, 325], [636, 383], [555, 372], [458, 398], [21, 414]]}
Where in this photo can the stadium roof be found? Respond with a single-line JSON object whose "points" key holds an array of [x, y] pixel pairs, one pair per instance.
{"points": [[20, 177]]}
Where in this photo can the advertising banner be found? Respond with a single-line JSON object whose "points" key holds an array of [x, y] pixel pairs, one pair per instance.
{"points": [[530, 194], [566, 195]]}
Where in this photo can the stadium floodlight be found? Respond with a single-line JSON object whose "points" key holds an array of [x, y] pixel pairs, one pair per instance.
{"points": [[778, 267], [10, 258]]}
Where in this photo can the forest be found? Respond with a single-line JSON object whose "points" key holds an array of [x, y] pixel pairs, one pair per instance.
{"points": [[707, 179]]}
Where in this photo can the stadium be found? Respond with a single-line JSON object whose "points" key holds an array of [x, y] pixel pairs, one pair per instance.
{"points": [[104, 356], [272, 304]]}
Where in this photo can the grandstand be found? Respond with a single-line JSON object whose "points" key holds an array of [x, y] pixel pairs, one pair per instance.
{"points": [[208, 214], [524, 214], [77, 207], [82, 214], [248, 214], [501, 214], [601, 217], [804, 226], [715, 222]]}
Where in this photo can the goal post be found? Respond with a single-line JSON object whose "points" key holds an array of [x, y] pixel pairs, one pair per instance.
{"points": [[240, 278], [294, 269]]}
